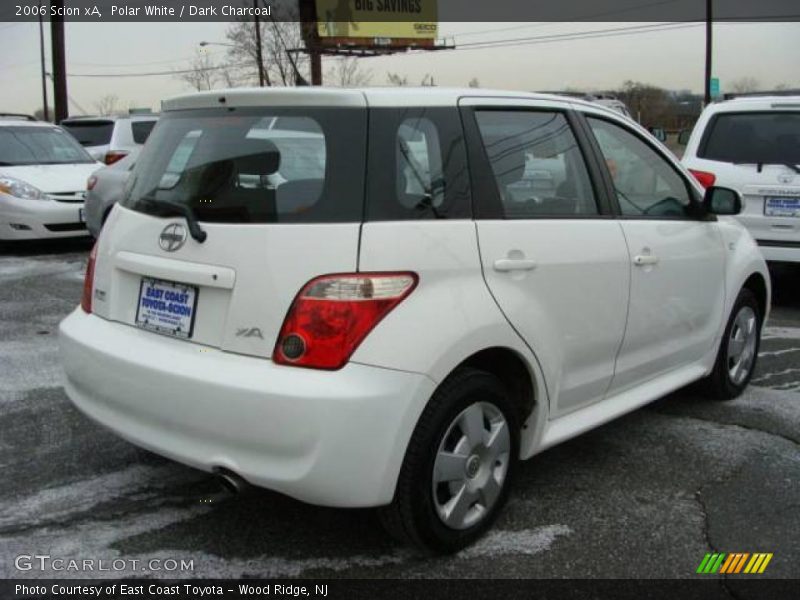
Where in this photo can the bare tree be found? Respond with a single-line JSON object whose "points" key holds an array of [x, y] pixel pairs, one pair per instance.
{"points": [[784, 86], [107, 105], [397, 80], [402, 80], [201, 74], [474, 83], [427, 81], [744, 85], [280, 42], [39, 114], [347, 72]]}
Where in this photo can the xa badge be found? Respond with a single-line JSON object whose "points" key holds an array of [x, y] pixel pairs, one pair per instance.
{"points": [[786, 177], [249, 332], [172, 238]]}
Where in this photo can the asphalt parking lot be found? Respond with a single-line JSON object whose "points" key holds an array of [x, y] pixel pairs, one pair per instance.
{"points": [[645, 496]]}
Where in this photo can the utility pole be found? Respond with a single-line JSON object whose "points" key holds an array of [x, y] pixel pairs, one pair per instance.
{"points": [[709, 47], [308, 21], [59, 62], [44, 72], [259, 52]]}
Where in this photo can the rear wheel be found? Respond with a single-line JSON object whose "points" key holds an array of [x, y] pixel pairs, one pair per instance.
{"points": [[458, 465], [738, 350]]}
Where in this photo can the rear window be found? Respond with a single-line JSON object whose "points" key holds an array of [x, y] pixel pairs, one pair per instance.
{"points": [[753, 138], [255, 165], [141, 130], [90, 133]]}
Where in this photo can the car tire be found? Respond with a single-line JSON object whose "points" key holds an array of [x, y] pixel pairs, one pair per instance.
{"points": [[738, 350], [458, 467]]}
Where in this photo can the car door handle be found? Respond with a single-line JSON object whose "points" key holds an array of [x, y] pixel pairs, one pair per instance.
{"points": [[643, 260], [514, 264]]}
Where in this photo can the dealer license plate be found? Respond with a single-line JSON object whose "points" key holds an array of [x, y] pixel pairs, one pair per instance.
{"points": [[167, 307], [782, 207]]}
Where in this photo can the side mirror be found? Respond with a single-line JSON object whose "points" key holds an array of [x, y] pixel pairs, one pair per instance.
{"points": [[722, 201], [683, 137], [658, 133]]}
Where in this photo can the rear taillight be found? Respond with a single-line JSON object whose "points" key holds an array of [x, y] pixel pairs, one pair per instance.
{"points": [[88, 281], [333, 314], [113, 156], [705, 178], [91, 182]]}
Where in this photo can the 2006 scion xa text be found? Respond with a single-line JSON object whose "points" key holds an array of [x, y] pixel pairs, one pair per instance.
{"points": [[389, 297]]}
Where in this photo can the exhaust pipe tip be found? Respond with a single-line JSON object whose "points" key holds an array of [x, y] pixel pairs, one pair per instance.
{"points": [[230, 481]]}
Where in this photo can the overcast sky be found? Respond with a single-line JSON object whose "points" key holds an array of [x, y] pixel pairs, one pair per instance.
{"points": [[673, 59]]}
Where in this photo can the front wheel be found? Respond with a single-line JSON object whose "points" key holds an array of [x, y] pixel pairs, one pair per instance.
{"points": [[458, 466], [738, 350]]}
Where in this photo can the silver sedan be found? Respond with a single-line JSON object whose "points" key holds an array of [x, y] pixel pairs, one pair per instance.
{"points": [[105, 188]]}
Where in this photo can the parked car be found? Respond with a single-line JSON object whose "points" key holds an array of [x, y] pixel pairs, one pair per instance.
{"points": [[397, 326], [105, 188], [752, 145], [43, 173], [109, 139]]}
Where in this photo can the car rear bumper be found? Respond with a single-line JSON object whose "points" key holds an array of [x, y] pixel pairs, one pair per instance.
{"points": [[330, 438], [37, 219]]}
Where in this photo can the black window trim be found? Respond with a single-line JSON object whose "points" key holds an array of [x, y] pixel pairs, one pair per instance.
{"points": [[486, 201], [696, 212]]}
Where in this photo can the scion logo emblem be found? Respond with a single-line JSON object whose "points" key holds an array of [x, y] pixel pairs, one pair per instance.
{"points": [[172, 238]]}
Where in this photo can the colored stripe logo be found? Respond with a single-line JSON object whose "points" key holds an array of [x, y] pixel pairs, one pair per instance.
{"points": [[734, 562]]}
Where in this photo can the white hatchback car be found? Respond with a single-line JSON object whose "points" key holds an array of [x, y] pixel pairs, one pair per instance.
{"points": [[43, 173], [355, 323], [752, 145]]}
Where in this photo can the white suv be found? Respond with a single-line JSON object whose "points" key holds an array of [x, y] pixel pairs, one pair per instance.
{"points": [[109, 139], [335, 293], [752, 145]]}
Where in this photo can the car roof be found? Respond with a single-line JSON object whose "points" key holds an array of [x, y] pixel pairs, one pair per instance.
{"points": [[353, 97], [15, 122], [113, 118], [753, 103]]}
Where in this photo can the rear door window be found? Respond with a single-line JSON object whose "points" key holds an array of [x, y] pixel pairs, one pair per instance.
{"points": [[141, 130], [417, 165], [538, 167], [91, 132], [255, 165], [753, 138]]}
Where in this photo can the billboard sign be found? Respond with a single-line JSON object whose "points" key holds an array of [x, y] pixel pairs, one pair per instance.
{"points": [[377, 20]]}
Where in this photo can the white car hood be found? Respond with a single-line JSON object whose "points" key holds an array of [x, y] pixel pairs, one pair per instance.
{"points": [[54, 178]]}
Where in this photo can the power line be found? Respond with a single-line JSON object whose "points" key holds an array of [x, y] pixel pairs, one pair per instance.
{"points": [[139, 64], [583, 18], [576, 35], [157, 73]]}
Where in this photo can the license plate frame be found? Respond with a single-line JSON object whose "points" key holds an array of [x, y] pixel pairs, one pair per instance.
{"points": [[782, 206], [162, 314]]}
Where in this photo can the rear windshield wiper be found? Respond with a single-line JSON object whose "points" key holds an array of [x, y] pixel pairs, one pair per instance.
{"points": [[185, 211]]}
